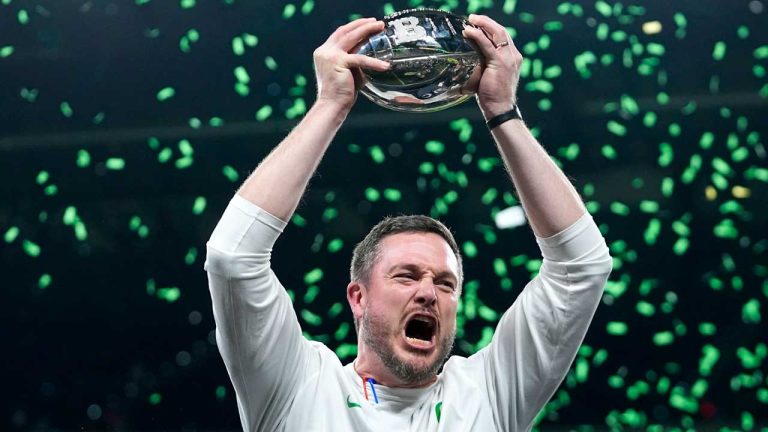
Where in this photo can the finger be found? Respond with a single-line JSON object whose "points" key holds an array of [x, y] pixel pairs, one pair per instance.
{"points": [[354, 37], [365, 62], [481, 40], [496, 31], [346, 28]]}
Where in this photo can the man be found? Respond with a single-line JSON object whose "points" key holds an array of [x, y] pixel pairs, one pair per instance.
{"points": [[405, 283]]}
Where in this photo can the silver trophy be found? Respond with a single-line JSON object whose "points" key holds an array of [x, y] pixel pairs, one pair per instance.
{"points": [[432, 63]]}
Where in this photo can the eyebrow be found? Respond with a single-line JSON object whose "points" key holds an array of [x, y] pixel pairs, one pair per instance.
{"points": [[415, 268]]}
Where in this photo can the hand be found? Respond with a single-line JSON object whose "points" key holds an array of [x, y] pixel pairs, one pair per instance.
{"points": [[500, 69], [336, 70]]}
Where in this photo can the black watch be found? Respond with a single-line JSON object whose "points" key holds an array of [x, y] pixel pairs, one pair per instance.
{"points": [[513, 114]]}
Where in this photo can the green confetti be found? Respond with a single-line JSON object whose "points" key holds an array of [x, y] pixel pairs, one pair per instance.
{"points": [[307, 7], [335, 310], [238, 47], [165, 94], [42, 177], [11, 234], [22, 16], [335, 245], [170, 294], [263, 113], [191, 256], [750, 312], [603, 8], [66, 109], [187, 4], [6, 51], [288, 11], [311, 318], [663, 338], [372, 194], [377, 154], [30, 248], [434, 147], [499, 267], [341, 332], [155, 399], [346, 350], [651, 233], [221, 392], [270, 62], [616, 128], [230, 173], [184, 162], [393, 195], [115, 164], [242, 75], [644, 308], [44, 281], [470, 249], [83, 158], [313, 276], [718, 52], [164, 155], [616, 328], [609, 152], [199, 205]]}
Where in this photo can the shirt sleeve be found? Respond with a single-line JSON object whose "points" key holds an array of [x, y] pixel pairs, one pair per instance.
{"points": [[537, 338], [257, 331]]}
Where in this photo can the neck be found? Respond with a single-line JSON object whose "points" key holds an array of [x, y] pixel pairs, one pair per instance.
{"points": [[368, 365]]}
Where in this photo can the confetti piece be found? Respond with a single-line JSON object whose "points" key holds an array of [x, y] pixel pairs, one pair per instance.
{"points": [[155, 399], [6, 51], [199, 205], [434, 147], [313, 276], [30, 248], [663, 338], [44, 281], [616, 328], [115, 164], [165, 94]]}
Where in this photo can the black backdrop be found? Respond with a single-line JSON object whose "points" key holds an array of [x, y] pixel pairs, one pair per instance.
{"points": [[110, 184]]}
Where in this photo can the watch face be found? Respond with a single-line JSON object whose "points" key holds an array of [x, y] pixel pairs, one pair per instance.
{"points": [[432, 63]]}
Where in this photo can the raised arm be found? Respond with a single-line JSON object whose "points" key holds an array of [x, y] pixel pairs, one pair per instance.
{"points": [[257, 331], [280, 180], [550, 201], [537, 338]]}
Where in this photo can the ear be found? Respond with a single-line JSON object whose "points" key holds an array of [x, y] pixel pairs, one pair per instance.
{"points": [[357, 298]]}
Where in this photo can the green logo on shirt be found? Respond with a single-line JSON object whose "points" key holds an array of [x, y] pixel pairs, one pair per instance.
{"points": [[357, 405], [438, 410]]}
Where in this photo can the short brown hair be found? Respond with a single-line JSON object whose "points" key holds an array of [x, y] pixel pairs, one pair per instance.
{"points": [[367, 251]]}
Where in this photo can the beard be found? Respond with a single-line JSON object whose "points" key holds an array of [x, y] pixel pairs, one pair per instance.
{"points": [[376, 334]]}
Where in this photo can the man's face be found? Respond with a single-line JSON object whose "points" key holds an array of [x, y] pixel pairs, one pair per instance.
{"points": [[409, 316]]}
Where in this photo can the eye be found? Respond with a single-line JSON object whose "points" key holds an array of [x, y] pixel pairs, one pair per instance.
{"points": [[447, 285], [405, 276]]}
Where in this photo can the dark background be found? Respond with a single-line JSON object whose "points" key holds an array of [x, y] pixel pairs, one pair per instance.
{"points": [[106, 321]]}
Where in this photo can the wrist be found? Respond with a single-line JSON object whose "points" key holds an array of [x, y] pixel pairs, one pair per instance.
{"points": [[497, 120], [491, 109], [332, 107]]}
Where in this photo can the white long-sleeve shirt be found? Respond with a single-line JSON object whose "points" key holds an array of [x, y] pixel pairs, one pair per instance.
{"points": [[284, 382]]}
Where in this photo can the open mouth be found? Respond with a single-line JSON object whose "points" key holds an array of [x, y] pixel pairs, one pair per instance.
{"points": [[420, 331]]}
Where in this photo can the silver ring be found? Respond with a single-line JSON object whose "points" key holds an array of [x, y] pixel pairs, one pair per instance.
{"points": [[503, 44]]}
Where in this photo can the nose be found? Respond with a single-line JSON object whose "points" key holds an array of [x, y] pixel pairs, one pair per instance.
{"points": [[426, 294]]}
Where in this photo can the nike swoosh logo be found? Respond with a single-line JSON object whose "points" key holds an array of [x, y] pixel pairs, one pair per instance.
{"points": [[352, 404]]}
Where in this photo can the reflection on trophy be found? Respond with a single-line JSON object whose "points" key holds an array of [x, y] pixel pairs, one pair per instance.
{"points": [[431, 62]]}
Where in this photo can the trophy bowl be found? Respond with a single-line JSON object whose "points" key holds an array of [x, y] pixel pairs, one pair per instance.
{"points": [[433, 65]]}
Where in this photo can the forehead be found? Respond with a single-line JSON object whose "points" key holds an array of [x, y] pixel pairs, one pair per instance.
{"points": [[427, 249]]}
